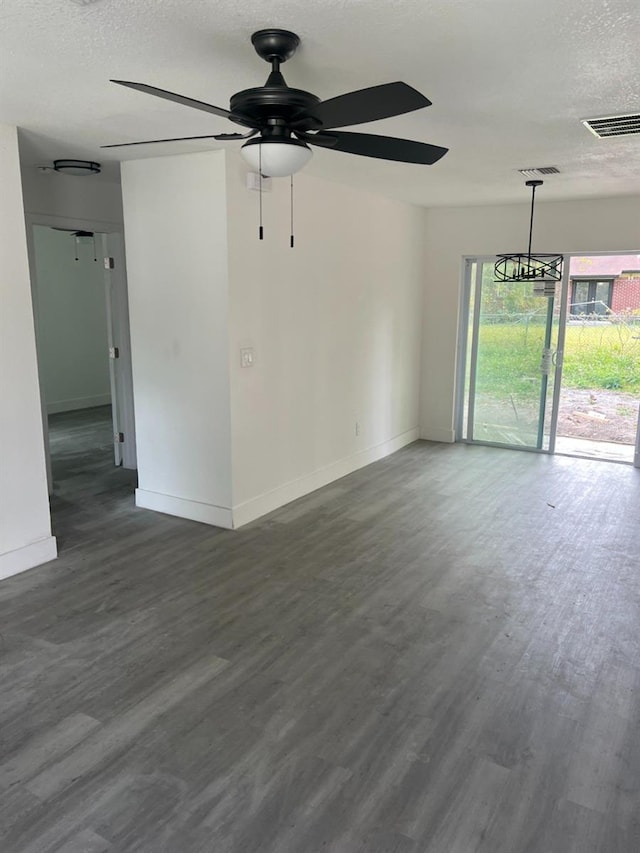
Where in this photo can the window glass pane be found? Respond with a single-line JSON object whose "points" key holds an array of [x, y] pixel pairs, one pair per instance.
{"points": [[511, 337], [580, 303], [602, 299]]}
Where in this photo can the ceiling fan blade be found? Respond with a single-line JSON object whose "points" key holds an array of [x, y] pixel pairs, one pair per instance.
{"points": [[181, 99], [383, 147], [221, 136], [324, 140], [376, 102]]}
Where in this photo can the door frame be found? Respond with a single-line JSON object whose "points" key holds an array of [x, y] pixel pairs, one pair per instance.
{"points": [[463, 347], [463, 344], [118, 318], [119, 336]]}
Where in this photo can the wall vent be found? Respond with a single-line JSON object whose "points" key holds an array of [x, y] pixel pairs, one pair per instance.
{"points": [[613, 125], [535, 172]]}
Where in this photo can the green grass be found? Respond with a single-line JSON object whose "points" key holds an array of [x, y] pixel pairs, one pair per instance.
{"points": [[602, 356]]}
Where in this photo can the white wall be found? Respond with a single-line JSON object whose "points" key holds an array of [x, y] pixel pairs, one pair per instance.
{"points": [[176, 243], [25, 528], [334, 323], [89, 197], [71, 321], [596, 225], [335, 326]]}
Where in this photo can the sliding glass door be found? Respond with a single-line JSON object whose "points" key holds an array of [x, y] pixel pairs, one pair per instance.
{"points": [[509, 362]]}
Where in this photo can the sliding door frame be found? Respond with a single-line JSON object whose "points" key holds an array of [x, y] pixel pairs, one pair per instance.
{"points": [[559, 354], [463, 347], [463, 341]]}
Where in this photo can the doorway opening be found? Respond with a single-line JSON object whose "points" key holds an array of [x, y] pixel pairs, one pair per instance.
{"points": [[557, 372], [82, 338], [599, 398]]}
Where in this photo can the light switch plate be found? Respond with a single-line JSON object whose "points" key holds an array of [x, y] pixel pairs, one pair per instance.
{"points": [[247, 357], [254, 183]]}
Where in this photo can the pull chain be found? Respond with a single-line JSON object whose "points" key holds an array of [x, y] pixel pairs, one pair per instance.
{"points": [[95, 259], [291, 243], [260, 230]]}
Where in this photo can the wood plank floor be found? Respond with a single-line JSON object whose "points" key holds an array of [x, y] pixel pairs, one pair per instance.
{"points": [[438, 653]]}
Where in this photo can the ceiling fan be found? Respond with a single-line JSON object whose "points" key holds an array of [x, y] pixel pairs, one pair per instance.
{"points": [[286, 121]]}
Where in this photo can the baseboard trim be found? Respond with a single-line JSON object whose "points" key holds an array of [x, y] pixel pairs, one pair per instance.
{"points": [[78, 403], [256, 507], [28, 557], [436, 434], [218, 516]]}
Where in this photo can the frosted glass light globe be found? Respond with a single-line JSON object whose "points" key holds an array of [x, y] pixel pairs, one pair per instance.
{"points": [[278, 157]]}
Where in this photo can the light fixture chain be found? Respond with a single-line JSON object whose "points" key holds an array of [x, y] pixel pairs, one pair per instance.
{"points": [[291, 244], [260, 230]]}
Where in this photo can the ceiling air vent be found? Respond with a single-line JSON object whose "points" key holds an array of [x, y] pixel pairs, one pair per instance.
{"points": [[613, 125], [539, 170]]}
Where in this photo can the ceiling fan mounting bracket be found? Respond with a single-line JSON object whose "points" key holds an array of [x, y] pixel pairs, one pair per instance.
{"points": [[274, 44]]}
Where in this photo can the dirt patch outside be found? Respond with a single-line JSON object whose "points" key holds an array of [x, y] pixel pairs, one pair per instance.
{"points": [[598, 414]]}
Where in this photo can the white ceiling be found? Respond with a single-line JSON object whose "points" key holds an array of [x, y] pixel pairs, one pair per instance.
{"points": [[509, 80]]}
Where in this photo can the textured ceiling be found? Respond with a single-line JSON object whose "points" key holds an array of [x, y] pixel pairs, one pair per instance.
{"points": [[509, 80]]}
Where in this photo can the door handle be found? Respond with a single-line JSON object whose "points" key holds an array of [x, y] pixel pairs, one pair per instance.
{"points": [[547, 361]]}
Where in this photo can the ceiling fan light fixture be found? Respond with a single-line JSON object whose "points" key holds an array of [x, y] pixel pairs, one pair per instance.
{"points": [[77, 167], [276, 158]]}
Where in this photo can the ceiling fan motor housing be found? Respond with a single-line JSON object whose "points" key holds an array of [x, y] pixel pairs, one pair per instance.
{"points": [[274, 105]]}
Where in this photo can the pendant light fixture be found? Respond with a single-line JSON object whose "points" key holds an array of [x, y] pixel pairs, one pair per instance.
{"points": [[524, 267]]}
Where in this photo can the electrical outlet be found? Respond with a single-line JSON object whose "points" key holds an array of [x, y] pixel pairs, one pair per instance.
{"points": [[357, 428]]}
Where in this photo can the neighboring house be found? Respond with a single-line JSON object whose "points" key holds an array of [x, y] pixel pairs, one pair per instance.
{"points": [[604, 284]]}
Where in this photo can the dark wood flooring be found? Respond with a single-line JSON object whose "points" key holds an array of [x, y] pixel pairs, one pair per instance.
{"points": [[436, 654], [85, 477]]}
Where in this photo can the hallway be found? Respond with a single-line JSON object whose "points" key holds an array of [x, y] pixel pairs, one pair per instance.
{"points": [[85, 477]]}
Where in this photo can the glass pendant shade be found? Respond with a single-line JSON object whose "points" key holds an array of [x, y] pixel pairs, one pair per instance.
{"points": [[276, 158]]}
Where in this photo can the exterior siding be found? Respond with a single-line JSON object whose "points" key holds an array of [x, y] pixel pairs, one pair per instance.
{"points": [[626, 294]]}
